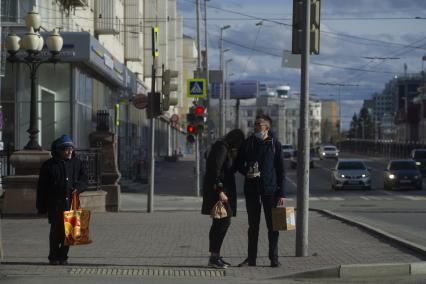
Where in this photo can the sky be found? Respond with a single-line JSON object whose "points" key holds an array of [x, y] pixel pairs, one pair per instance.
{"points": [[392, 32]]}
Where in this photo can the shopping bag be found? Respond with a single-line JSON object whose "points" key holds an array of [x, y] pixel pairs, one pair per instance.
{"points": [[76, 222], [283, 219], [218, 211]]}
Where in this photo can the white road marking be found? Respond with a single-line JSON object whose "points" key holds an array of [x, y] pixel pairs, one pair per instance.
{"points": [[290, 181], [416, 198]]}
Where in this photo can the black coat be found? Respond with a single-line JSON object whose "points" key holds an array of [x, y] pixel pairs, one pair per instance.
{"points": [[57, 179], [268, 154], [219, 168]]}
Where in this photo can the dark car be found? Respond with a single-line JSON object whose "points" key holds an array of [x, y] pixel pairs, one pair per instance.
{"points": [[401, 174], [419, 155]]}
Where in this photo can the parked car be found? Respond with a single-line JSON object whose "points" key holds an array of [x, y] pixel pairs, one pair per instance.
{"points": [[293, 160], [419, 155], [401, 174], [328, 151], [350, 174], [288, 150]]}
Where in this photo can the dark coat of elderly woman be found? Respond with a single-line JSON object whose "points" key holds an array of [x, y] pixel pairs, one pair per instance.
{"points": [[59, 177], [219, 185]]}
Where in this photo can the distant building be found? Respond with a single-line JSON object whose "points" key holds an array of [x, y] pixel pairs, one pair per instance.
{"points": [[329, 121]]}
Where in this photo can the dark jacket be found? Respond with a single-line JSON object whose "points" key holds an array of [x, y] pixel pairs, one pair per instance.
{"points": [[219, 169], [271, 165], [56, 181]]}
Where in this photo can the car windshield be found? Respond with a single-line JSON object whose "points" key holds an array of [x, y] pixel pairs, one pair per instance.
{"points": [[419, 154], [403, 165], [287, 147], [351, 166], [329, 148]]}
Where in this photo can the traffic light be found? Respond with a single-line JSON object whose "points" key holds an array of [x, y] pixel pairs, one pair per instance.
{"points": [[154, 105], [298, 18], [199, 119], [167, 87], [190, 128]]}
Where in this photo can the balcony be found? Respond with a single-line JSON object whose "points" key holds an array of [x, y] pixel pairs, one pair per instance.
{"points": [[106, 19], [68, 4]]}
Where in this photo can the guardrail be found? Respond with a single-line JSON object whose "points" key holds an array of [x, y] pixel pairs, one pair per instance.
{"points": [[384, 148]]}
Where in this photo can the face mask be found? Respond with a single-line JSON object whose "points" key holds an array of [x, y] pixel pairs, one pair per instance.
{"points": [[260, 135]]}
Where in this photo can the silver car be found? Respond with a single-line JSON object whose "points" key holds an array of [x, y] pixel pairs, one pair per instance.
{"points": [[328, 152], [350, 174]]}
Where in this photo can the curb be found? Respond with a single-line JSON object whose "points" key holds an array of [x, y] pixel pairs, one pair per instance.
{"points": [[390, 237], [364, 270]]}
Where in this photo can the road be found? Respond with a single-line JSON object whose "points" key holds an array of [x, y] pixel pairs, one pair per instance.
{"points": [[401, 213]]}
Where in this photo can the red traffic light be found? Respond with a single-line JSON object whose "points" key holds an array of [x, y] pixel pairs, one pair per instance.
{"points": [[199, 110], [190, 129]]}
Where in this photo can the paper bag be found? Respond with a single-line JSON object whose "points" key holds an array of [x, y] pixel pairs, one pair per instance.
{"points": [[283, 219], [218, 211]]}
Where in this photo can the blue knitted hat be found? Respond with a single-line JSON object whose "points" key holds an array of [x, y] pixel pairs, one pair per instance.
{"points": [[63, 142]]}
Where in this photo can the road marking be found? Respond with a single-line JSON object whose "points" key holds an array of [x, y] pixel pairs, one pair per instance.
{"points": [[290, 181], [414, 197], [332, 198], [376, 198], [387, 192]]}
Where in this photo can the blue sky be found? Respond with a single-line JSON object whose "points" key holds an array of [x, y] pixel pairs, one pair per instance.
{"points": [[350, 31]]}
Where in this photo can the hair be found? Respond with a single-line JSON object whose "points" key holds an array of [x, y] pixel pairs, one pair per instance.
{"points": [[234, 138], [265, 117]]}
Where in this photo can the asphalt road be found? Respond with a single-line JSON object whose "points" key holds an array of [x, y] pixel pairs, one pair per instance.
{"points": [[401, 212]]}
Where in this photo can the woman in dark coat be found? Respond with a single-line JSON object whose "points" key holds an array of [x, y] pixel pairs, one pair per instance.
{"points": [[219, 185], [59, 177]]}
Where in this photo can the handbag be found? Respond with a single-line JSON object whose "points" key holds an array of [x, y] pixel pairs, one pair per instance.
{"points": [[76, 222], [218, 211]]}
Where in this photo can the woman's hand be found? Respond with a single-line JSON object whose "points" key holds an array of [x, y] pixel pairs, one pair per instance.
{"points": [[281, 201], [223, 197]]}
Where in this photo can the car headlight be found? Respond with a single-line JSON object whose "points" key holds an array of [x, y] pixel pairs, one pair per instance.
{"points": [[418, 163], [416, 177], [342, 176], [364, 175], [323, 153], [391, 176], [337, 153]]}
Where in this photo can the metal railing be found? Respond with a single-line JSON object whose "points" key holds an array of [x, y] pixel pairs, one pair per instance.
{"points": [[92, 159], [384, 148], [6, 169]]}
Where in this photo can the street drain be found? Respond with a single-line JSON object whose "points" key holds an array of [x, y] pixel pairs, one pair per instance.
{"points": [[149, 272]]}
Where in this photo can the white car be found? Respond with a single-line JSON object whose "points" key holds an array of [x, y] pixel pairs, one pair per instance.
{"points": [[288, 150], [350, 174], [328, 152]]}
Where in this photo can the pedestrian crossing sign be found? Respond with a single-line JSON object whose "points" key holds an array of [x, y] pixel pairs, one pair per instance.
{"points": [[196, 88]]}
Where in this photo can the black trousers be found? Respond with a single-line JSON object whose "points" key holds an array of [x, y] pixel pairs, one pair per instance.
{"points": [[57, 249], [217, 233], [254, 203]]}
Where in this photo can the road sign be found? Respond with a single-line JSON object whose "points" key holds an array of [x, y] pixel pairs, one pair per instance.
{"points": [[196, 88], [174, 118], [140, 101]]}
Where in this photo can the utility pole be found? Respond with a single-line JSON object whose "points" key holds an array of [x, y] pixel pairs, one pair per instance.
{"points": [[222, 93], [303, 140], [198, 137], [155, 54]]}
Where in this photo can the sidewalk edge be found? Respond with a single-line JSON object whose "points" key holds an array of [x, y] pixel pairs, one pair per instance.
{"points": [[390, 237]]}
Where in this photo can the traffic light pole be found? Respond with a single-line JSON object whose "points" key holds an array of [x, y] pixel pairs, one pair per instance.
{"points": [[150, 208], [303, 140]]}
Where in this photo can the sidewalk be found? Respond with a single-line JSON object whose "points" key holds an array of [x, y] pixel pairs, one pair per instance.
{"points": [[173, 241]]}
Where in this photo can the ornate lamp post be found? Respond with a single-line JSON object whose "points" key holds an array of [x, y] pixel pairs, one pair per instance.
{"points": [[33, 43]]}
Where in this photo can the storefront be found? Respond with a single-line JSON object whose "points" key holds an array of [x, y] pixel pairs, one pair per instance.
{"points": [[86, 79]]}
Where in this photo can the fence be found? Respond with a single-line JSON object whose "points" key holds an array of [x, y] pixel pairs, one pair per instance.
{"points": [[92, 159], [385, 148], [6, 168]]}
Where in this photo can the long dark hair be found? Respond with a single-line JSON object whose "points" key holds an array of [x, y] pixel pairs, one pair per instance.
{"points": [[234, 138]]}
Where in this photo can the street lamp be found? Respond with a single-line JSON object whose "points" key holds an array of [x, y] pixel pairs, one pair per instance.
{"points": [[33, 43], [222, 118]]}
